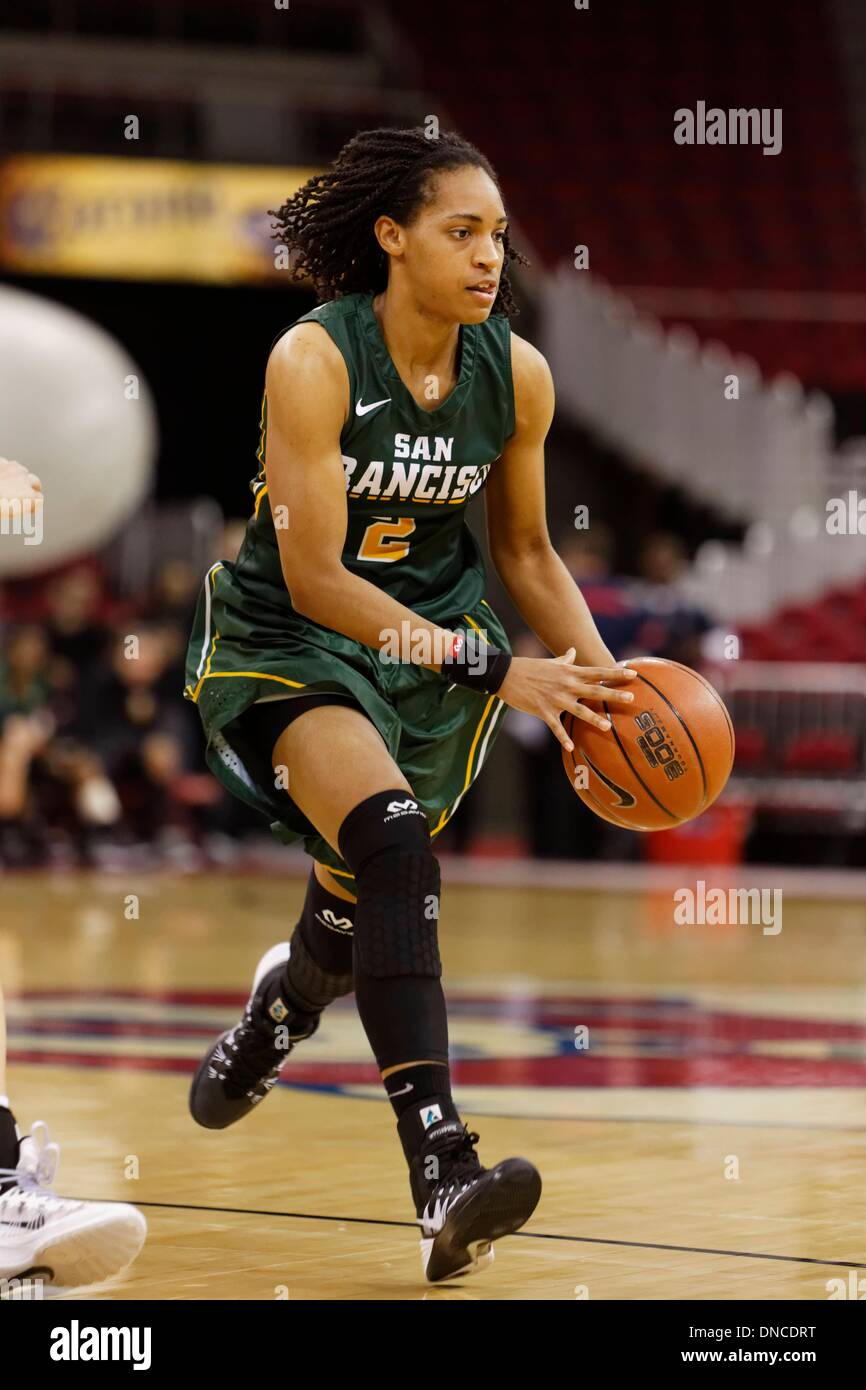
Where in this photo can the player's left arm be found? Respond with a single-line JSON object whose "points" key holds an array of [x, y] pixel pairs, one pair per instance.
{"points": [[537, 581]]}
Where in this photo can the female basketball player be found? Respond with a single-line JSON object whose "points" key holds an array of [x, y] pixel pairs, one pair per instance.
{"points": [[41, 1234], [349, 673]]}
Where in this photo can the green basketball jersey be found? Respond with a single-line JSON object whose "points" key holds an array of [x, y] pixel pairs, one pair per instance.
{"points": [[409, 472]]}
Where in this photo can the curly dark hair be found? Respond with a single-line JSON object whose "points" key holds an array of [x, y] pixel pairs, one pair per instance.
{"points": [[327, 225]]}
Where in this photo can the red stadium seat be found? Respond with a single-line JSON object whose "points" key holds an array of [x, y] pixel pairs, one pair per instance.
{"points": [[821, 752]]}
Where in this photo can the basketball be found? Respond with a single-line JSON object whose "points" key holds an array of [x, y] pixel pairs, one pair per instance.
{"points": [[664, 760]]}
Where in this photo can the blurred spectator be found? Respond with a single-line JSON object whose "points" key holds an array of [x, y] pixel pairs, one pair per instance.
{"points": [[230, 539], [22, 736], [664, 564], [626, 626], [24, 676], [169, 611], [175, 593], [646, 616], [49, 787], [100, 755], [663, 559], [139, 733], [76, 633]]}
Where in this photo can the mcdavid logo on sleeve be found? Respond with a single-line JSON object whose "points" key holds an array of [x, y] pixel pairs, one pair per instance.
{"points": [[403, 808]]}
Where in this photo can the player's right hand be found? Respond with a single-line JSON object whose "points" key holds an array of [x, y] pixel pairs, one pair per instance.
{"points": [[545, 686], [17, 483]]}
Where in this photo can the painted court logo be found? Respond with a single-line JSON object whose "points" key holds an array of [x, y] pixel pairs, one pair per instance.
{"points": [[739, 1045]]}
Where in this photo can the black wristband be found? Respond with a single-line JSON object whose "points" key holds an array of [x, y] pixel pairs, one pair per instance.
{"points": [[477, 665]]}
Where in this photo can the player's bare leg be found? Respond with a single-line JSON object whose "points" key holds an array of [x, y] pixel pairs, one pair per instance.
{"points": [[327, 880]]}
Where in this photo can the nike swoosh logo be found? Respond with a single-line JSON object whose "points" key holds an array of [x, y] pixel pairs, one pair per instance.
{"points": [[365, 409], [392, 1094], [625, 798]]}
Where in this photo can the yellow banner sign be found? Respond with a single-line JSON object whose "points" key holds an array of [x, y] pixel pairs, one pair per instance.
{"points": [[142, 219]]}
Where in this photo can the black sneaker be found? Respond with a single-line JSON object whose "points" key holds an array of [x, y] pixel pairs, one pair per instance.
{"points": [[243, 1064], [469, 1207]]}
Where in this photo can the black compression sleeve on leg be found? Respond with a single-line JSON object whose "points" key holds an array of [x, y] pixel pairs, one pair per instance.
{"points": [[326, 924], [385, 841], [320, 967]]}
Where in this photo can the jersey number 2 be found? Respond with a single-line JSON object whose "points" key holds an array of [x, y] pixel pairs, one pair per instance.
{"points": [[382, 539]]}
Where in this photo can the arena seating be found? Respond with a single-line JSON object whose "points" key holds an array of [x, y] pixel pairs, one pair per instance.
{"points": [[588, 156]]}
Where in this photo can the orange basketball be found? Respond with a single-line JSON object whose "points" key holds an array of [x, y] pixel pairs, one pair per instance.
{"points": [[664, 759]]}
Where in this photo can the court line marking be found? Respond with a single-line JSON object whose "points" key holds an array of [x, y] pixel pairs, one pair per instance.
{"points": [[527, 1235]]}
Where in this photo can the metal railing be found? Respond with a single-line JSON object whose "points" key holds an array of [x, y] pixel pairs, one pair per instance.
{"points": [[802, 727]]}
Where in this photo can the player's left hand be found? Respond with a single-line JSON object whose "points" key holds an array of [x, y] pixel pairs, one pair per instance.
{"points": [[17, 483]]}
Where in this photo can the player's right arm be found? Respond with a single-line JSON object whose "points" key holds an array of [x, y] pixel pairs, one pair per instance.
{"points": [[308, 398], [307, 387]]}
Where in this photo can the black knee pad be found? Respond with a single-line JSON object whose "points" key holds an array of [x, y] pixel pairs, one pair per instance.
{"points": [[385, 841], [397, 925]]}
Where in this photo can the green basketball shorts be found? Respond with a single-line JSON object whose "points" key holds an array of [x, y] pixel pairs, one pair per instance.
{"points": [[438, 734]]}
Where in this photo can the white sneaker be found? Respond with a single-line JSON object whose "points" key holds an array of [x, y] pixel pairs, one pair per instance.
{"points": [[69, 1241]]}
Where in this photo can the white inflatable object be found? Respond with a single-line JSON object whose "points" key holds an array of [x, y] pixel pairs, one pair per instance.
{"points": [[75, 410]]}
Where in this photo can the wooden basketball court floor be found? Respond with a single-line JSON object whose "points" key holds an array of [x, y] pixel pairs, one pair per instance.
{"points": [[705, 1139]]}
